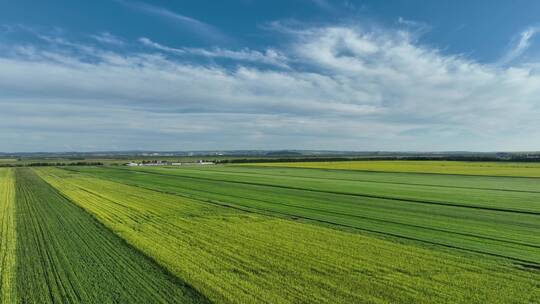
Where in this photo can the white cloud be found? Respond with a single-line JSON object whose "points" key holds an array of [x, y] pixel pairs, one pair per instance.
{"points": [[345, 89], [161, 47], [108, 38], [270, 56], [204, 29], [522, 44], [418, 28]]}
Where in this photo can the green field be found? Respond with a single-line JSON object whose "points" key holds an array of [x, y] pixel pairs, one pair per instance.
{"points": [[65, 256], [488, 223], [237, 257], [438, 167], [8, 237], [267, 234]]}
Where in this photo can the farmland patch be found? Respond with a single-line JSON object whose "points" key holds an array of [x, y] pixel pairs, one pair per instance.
{"points": [[65, 256]]}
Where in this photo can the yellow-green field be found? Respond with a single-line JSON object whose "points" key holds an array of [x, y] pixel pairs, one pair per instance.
{"points": [[265, 234], [439, 167], [233, 256], [7, 237]]}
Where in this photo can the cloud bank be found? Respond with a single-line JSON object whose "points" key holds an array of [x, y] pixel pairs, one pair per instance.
{"points": [[336, 87]]}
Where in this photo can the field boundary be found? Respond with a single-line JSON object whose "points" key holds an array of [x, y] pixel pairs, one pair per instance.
{"points": [[8, 238]]}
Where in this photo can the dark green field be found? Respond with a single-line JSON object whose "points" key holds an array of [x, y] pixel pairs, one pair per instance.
{"points": [[65, 256], [257, 234]]}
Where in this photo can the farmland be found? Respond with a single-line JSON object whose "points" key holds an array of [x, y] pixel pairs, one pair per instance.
{"points": [[269, 234], [440, 167], [234, 256], [488, 223], [7, 237], [64, 255]]}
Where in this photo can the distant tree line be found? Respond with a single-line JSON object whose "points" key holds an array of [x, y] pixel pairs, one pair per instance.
{"points": [[512, 158], [51, 164]]}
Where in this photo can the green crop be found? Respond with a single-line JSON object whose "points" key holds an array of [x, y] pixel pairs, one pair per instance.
{"points": [[433, 214], [488, 193], [65, 256], [234, 256], [441, 167], [7, 237]]}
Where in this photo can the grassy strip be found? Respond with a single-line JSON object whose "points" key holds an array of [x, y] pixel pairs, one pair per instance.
{"points": [[511, 235], [496, 183], [66, 256], [438, 167], [8, 237], [237, 257]]}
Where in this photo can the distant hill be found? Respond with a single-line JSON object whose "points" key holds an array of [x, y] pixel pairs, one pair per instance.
{"points": [[283, 153]]}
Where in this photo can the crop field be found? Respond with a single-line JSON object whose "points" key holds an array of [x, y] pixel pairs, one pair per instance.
{"points": [[7, 237], [501, 223], [439, 167], [268, 234], [63, 255]]}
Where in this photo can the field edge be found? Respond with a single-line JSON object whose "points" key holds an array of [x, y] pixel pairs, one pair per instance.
{"points": [[8, 237]]}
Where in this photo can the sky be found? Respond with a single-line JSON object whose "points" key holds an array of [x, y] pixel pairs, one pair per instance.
{"points": [[396, 75]]}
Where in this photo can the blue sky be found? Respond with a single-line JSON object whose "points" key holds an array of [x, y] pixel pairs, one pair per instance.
{"points": [[247, 74]]}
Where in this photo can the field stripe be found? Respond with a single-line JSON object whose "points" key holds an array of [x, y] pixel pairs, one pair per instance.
{"points": [[518, 170], [385, 197], [358, 180], [8, 238], [403, 172], [479, 237], [66, 256]]}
